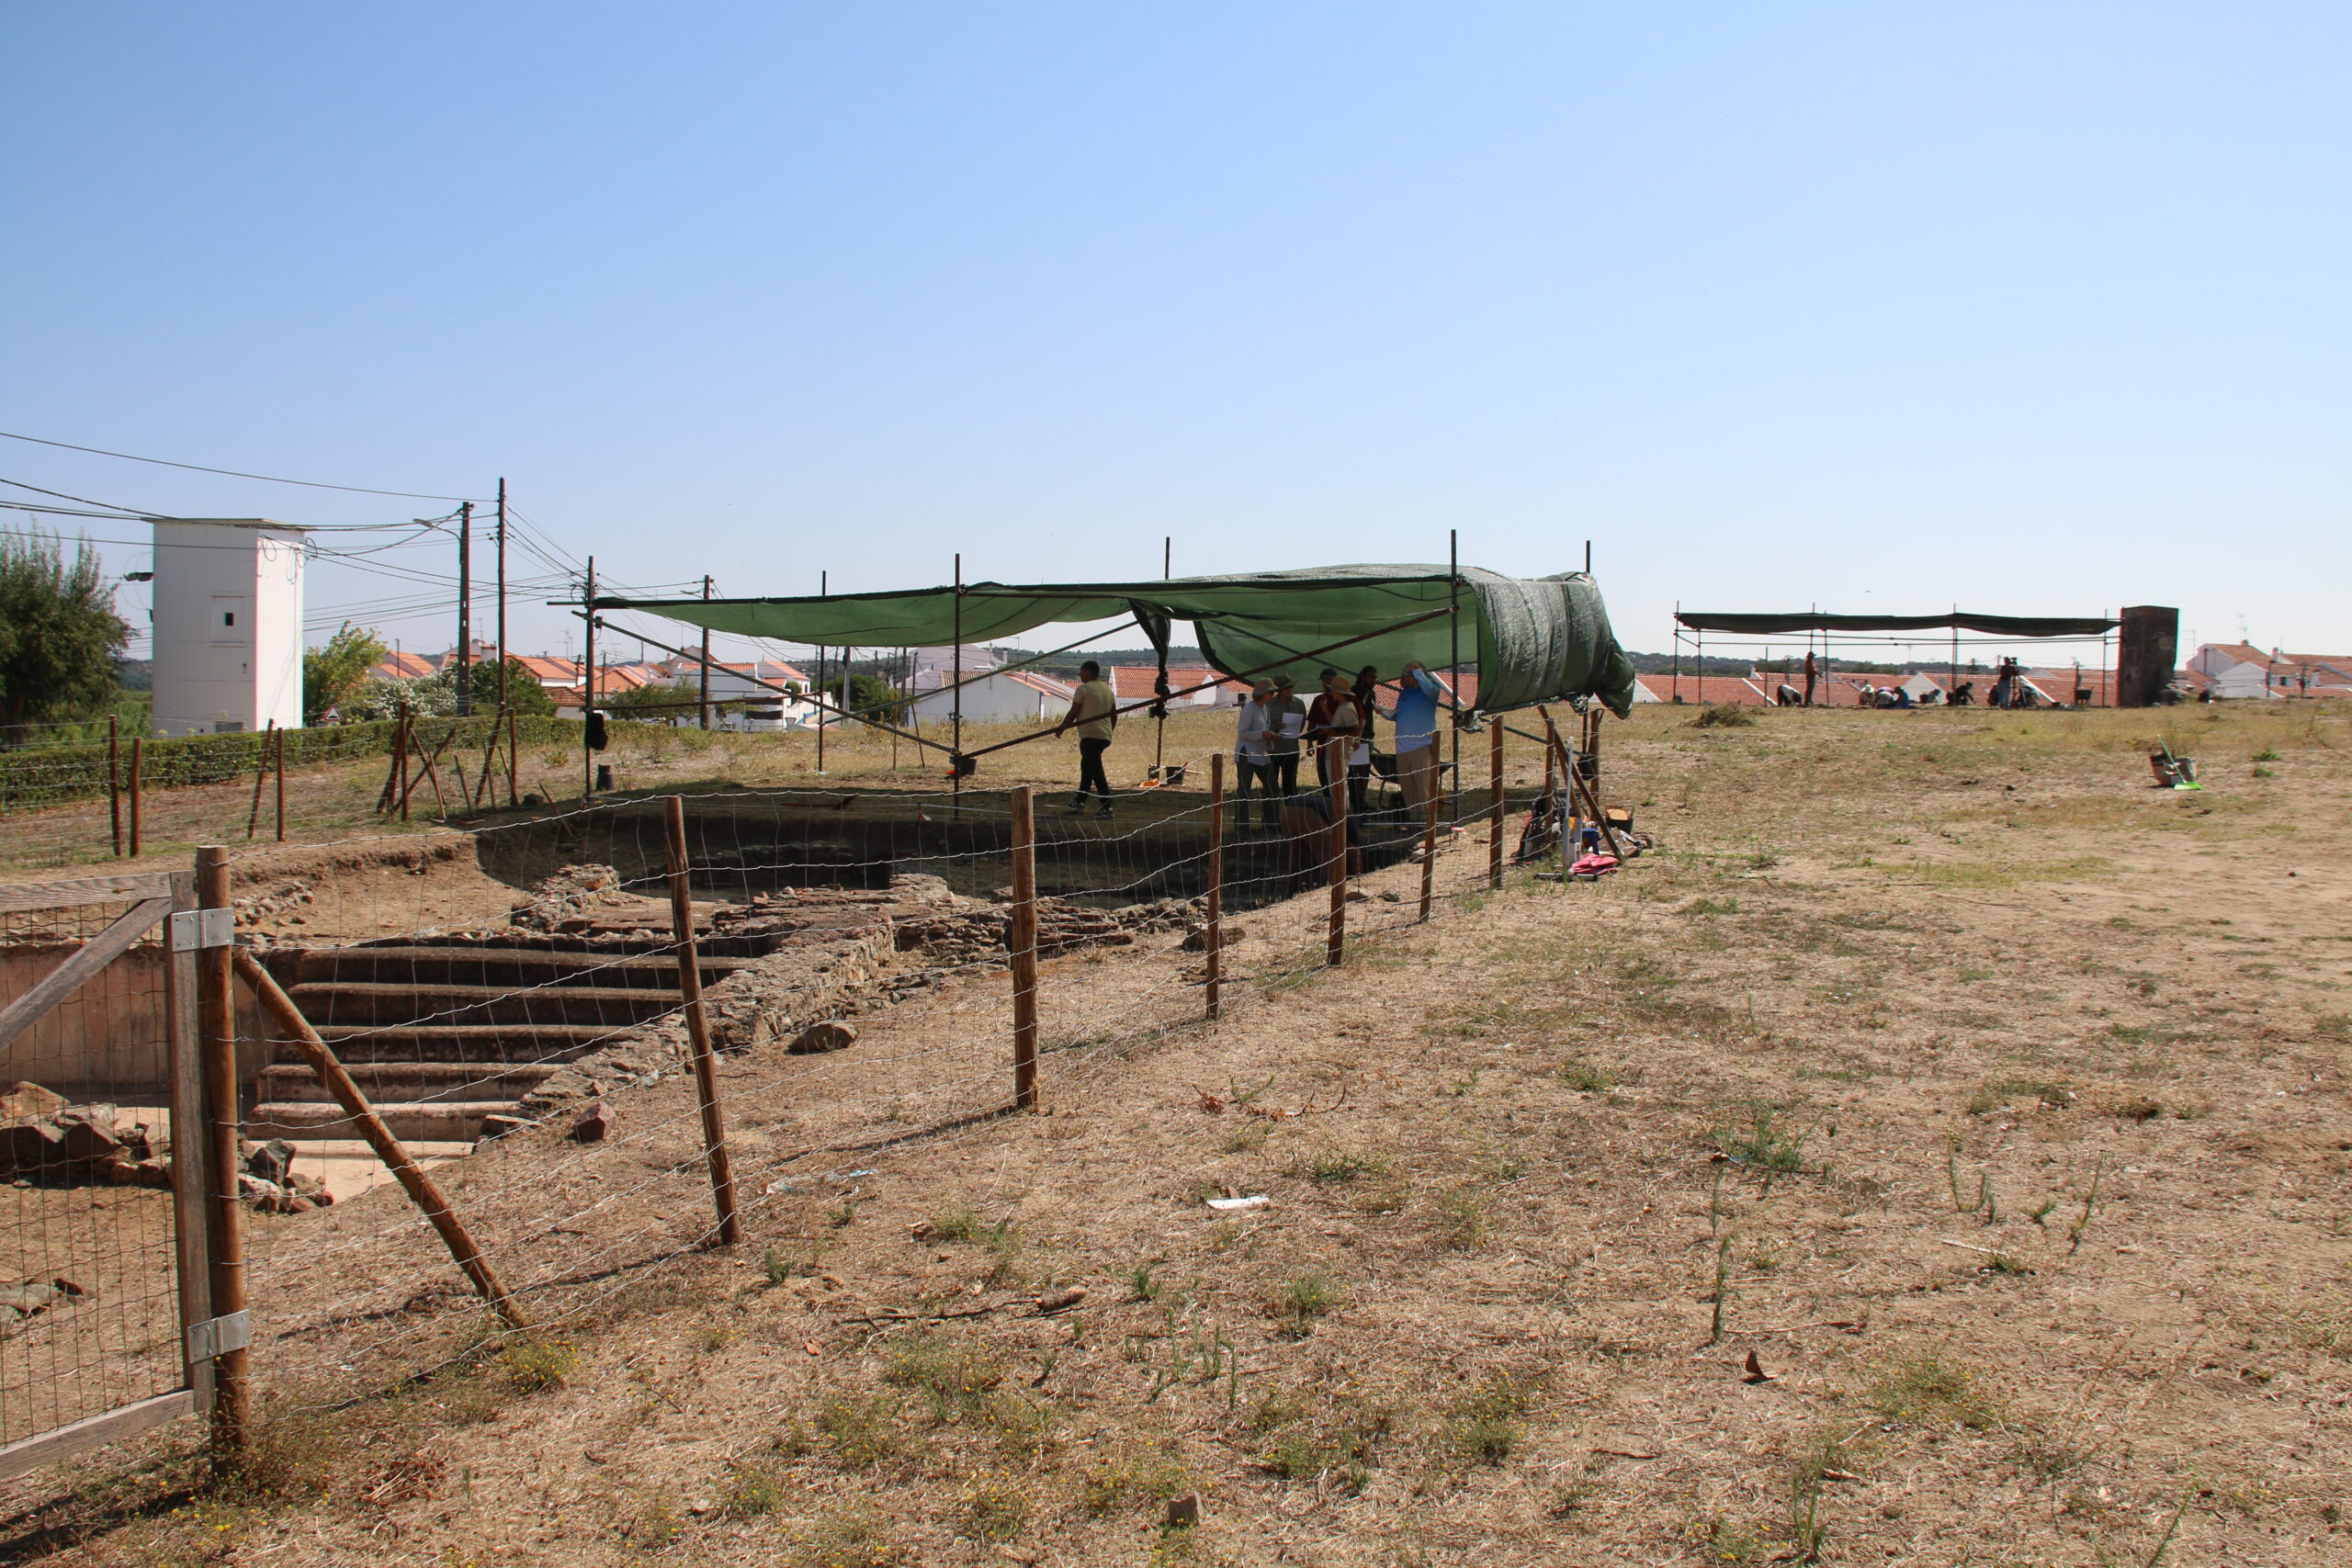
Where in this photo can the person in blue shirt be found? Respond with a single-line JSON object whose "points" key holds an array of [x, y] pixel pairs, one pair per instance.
{"points": [[1417, 696]]}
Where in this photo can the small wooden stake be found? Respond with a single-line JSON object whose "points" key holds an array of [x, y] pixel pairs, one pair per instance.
{"points": [[281, 786], [714, 1118], [1022, 942], [1495, 805], [1335, 939], [513, 767], [138, 747], [422, 1190], [1213, 939], [224, 1228]]}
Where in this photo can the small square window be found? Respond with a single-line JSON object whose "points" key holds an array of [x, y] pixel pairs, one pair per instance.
{"points": [[227, 617]]}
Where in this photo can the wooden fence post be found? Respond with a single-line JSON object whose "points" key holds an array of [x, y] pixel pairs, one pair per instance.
{"points": [[225, 1237], [422, 1190], [1428, 855], [1335, 939], [138, 749], [1213, 939], [1022, 941], [114, 781], [281, 785], [714, 1118], [1495, 805], [513, 768]]}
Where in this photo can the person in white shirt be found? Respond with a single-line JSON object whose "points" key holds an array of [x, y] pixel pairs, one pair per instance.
{"points": [[1253, 757]]}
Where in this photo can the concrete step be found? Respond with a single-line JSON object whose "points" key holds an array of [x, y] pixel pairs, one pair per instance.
{"points": [[450, 1120], [612, 1007], [407, 1082], [509, 967], [515, 1043]]}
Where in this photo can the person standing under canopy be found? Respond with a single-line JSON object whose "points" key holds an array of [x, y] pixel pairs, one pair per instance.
{"points": [[1094, 712], [1417, 696], [1333, 718], [1252, 759]]}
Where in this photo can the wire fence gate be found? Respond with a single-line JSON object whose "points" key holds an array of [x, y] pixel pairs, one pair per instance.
{"points": [[418, 1021]]}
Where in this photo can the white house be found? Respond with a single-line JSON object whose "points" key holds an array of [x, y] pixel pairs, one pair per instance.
{"points": [[1002, 696], [228, 624], [2234, 670]]}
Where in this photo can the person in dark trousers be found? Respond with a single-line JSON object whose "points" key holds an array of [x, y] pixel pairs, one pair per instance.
{"points": [[1811, 671], [1252, 760], [1093, 712], [1367, 691], [1285, 721]]}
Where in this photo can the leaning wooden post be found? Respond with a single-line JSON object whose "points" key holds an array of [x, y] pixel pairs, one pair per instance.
{"points": [[1335, 939], [281, 784], [261, 777], [1021, 941], [114, 780], [408, 739], [714, 1118], [1494, 804], [1213, 938], [138, 749], [513, 767], [224, 1216], [422, 1190]]}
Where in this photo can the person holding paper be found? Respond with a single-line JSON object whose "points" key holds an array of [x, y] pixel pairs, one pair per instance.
{"points": [[1285, 722], [1332, 719], [1252, 757]]}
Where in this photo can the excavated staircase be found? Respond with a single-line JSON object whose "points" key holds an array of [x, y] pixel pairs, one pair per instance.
{"points": [[441, 1033]]}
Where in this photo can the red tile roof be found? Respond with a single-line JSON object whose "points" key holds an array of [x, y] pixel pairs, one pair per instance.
{"points": [[402, 666]]}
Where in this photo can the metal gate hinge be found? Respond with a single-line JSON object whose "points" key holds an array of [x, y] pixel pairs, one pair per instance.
{"points": [[216, 1337], [196, 929]]}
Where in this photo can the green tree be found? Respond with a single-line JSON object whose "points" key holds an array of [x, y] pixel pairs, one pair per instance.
{"points": [[871, 696], [59, 632], [332, 675], [524, 693], [654, 702]]}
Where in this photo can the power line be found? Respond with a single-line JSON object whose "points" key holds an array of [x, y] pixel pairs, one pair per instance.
{"points": [[232, 473]]}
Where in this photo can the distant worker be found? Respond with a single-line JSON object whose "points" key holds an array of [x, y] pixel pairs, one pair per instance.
{"points": [[1332, 721], [2006, 682], [1788, 696], [1417, 696], [1094, 711], [1253, 759], [1812, 670]]}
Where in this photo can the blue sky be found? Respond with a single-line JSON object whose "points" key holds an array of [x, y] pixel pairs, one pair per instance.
{"points": [[2034, 308]]}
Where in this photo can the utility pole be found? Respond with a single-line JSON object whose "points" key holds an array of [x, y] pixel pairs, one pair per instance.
{"points": [[465, 608], [706, 661], [588, 683], [502, 596]]}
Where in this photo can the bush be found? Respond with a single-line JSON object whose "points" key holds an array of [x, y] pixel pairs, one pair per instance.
{"points": [[1722, 716]]}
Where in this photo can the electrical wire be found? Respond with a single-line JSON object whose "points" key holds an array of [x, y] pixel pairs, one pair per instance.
{"points": [[234, 473]]}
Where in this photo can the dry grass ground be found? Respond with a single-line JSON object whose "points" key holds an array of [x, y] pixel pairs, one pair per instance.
{"points": [[1995, 1101]]}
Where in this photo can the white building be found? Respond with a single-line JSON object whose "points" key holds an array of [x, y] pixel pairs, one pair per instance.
{"points": [[1019, 696], [228, 624]]}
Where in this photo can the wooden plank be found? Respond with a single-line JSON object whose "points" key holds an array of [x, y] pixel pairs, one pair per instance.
{"points": [[93, 1432], [17, 896], [82, 966]]}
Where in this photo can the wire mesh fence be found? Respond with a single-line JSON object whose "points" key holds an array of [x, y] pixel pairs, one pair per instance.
{"points": [[882, 972], [89, 1296]]}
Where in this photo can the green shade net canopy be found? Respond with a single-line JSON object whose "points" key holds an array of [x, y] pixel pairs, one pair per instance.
{"points": [[1534, 640]]}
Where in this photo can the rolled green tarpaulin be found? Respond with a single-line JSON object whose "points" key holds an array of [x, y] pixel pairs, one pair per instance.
{"points": [[1534, 640]]}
